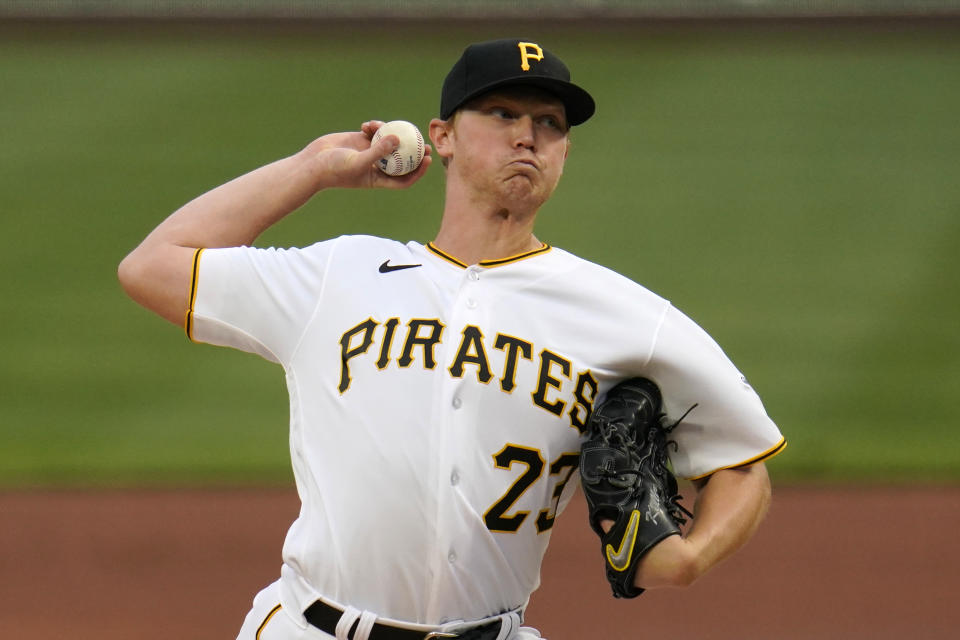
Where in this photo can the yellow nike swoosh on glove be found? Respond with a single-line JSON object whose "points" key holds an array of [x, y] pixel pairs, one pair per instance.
{"points": [[620, 559]]}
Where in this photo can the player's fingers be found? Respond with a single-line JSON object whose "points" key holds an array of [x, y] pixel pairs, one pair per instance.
{"points": [[404, 181], [386, 144], [370, 127], [382, 147]]}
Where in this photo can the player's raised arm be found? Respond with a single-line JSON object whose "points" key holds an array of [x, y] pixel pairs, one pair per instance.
{"points": [[157, 274]]}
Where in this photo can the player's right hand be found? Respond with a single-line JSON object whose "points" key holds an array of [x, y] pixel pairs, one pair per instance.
{"points": [[347, 160]]}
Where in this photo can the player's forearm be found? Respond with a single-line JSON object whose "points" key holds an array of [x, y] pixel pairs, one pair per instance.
{"points": [[730, 506], [237, 212]]}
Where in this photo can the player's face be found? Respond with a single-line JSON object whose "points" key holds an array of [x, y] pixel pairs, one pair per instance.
{"points": [[510, 146]]}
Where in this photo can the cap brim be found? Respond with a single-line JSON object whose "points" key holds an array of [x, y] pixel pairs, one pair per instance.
{"points": [[578, 104]]}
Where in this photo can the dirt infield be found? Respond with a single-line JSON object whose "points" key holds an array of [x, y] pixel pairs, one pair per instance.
{"points": [[839, 563]]}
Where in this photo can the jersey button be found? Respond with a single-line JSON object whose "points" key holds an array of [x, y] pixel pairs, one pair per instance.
{"points": [[457, 403], [452, 557], [454, 477], [474, 276], [471, 303]]}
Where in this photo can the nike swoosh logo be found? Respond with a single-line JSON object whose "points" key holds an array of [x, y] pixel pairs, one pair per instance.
{"points": [[619, 559], [386, 267]]}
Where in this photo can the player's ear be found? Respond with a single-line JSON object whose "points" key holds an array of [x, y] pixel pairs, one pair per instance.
{"points": [[441, 134]]}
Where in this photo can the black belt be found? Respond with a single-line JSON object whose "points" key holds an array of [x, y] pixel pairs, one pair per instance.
{"points": [[325, 617]]}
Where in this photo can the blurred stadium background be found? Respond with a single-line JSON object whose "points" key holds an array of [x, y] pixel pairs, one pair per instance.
{"points": [[443, 9], [785, 172]]}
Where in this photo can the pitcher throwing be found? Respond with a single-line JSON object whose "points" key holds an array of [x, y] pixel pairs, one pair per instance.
{"points": [[440, 393]]}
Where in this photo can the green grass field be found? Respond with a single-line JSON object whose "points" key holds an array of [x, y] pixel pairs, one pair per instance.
{"points": [[795, 189]]}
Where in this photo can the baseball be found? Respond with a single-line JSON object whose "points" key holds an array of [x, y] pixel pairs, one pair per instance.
{"points": [[408, 155]]}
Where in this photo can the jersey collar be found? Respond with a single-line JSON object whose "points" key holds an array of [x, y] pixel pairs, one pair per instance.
{"points": [[489, 263]]}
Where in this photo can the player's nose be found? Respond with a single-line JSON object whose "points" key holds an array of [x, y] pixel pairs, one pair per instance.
{"points": [[523, 133]]}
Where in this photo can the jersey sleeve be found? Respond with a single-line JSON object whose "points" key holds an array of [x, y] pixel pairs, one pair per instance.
{"points": [[256, 300], [728, 426]]}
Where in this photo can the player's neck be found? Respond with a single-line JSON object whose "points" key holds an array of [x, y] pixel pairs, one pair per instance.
{"points": [[472, 236]]}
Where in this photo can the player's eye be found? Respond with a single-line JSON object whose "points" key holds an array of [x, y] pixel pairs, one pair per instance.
{"points": [[552, 122], [501, 112]]}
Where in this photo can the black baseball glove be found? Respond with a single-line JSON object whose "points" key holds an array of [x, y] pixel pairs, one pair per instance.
{"points": [[624, 474]]}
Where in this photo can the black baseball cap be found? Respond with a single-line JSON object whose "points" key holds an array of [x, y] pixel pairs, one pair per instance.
{"points": [[485, 66]]}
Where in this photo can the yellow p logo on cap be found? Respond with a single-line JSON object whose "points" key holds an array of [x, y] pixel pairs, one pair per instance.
{"points": [[529, 50]]}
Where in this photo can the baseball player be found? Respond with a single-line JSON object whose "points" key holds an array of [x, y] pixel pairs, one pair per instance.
{"points": [[440, 392]]}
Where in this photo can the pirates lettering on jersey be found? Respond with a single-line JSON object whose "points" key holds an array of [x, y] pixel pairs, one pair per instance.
{"points": [[471, 352], [365, 331], [433, 330], [554, 380], [512, 346]]}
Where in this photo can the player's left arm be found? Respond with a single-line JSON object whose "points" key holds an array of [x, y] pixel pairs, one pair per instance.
{"points": [[729, 507]]}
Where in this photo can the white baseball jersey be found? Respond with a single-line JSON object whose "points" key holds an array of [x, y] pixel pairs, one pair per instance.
{"points": [[436, 408]]}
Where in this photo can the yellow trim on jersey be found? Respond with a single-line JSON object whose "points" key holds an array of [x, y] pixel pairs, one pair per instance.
{"points": [[267, 619], [489, 263], [446, 256], [769, 453], [544, 247], [188, 320]]}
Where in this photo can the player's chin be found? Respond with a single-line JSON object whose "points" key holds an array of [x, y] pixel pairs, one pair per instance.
{"points": [[524, 195]]}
